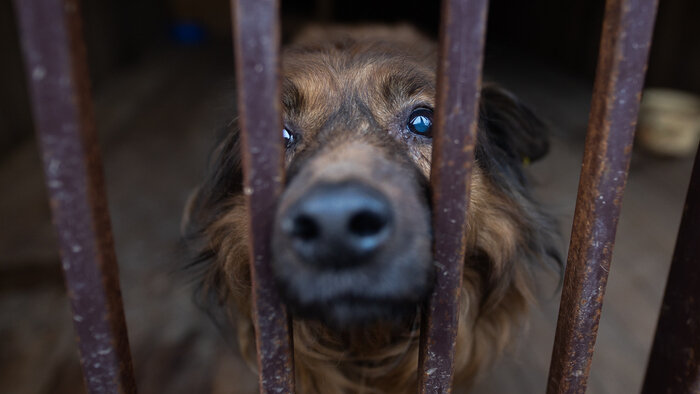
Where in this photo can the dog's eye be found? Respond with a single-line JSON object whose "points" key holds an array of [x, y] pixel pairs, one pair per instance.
{"points": [[421, 122], [289, 137]]}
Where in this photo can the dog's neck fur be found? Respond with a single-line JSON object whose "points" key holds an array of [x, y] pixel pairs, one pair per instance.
{"points": [[383, 360]]}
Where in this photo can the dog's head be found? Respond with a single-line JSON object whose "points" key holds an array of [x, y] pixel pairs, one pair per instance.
{"points": [[352, 239], [352, 235]]}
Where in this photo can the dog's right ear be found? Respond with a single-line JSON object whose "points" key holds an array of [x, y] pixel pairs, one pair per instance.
{"points": [[223, 179], [513, 127], [206, 205]]}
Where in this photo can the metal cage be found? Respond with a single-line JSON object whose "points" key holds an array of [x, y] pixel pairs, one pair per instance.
{"points": [[56, 68]]}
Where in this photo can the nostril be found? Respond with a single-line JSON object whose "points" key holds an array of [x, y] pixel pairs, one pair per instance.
{"points": [[336, 225], [305, 228], [366, 223]]}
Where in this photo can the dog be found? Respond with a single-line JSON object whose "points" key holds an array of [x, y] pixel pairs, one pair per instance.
{"points": [[352, 239]]}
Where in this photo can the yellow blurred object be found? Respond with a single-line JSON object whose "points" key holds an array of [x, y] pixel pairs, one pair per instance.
{"points": [[669, 122]]}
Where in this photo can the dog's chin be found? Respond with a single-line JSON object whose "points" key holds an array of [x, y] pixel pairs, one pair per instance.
{"points": [[362, 297], [375, 294], [351, 313]]}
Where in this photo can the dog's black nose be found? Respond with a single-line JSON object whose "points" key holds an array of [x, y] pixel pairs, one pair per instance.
{"points": [[338, 225]]}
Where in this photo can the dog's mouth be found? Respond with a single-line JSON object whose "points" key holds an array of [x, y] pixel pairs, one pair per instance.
{"points": [[361, 296], [351, 311], [350, 255]]}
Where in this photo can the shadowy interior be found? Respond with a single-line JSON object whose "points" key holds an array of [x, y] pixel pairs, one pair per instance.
{"points": [[157, 113]]}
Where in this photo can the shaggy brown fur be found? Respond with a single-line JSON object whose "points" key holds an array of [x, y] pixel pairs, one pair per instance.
{"points": [[389, 70]]}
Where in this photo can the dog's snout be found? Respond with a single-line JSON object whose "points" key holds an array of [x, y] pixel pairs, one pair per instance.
{"points": [[351, 241], [338, 225]]}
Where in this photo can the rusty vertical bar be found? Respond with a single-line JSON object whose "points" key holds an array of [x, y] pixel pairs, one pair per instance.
{"points": [[54, 56], [624, 49], [674, 363], [462, 33], [256, 43]]}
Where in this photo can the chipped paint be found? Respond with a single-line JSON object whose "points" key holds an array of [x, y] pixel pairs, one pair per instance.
{"points": [[627, 31], [56, 70], [461, 51], [256, 44]]}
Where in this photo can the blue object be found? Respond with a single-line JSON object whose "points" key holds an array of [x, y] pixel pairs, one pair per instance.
{"points": [[188, 33]]}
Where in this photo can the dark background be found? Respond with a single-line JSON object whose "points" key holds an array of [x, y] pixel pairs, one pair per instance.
{"points": [[158, 102], [562, 33]]}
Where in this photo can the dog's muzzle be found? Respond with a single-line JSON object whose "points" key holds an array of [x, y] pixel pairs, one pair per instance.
{"points": [[351, 248]]}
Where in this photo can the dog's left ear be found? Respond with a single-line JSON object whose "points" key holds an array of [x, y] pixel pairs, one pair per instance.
{"points": [[512, 126]]}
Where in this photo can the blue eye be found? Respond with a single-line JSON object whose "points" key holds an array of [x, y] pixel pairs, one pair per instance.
{"points": [[421, 122], [289, 137]]}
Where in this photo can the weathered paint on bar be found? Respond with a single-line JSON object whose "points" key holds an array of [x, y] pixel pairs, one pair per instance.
{"points": [[624, 49], [674, 363], [462, 35], [54, 56], [256, 43]]}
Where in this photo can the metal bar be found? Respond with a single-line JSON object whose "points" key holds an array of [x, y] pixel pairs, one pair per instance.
{"points": [[256, 43], [54, 55], [459, 86], [674, 363], [624, 49]]}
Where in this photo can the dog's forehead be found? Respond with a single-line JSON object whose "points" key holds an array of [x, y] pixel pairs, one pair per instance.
{"points": [[344, 88], [320, 80]]}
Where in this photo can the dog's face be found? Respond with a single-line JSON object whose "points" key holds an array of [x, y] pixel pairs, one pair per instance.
{"points": [[352, 236], [352, 232]]}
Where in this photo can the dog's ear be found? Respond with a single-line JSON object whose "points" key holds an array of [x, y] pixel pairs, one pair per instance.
{"points": [[205, 207], [511, 126], [223, 179]]}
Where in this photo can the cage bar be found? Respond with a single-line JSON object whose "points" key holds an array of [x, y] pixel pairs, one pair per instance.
{"points": [[674, 366], [624, 49], [256, 44], [54, 57], [462, 32]]}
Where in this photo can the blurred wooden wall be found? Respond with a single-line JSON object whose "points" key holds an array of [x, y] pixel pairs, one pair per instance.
{"points": [[566, 33], [675, 53], [117, 33]]}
